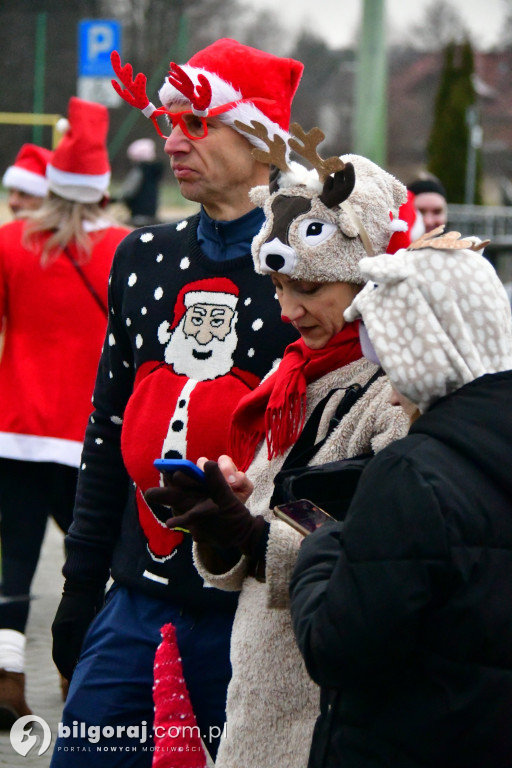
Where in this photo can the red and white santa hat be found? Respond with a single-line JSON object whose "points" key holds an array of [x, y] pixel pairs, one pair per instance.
{"points": [[407, 228], [235, 71], [80, 168], [28, 172], [211, 290]]}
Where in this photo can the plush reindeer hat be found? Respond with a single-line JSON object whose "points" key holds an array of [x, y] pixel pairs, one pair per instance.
{"points": [[321, 223]]}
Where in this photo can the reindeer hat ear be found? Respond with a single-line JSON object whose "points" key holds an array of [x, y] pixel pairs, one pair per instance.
{"points": [[234, 71]]}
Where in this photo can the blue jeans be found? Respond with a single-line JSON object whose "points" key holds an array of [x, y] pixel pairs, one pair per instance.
{"points": [[112, 683]]}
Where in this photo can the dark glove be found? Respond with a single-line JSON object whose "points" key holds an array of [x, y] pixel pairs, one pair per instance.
{"points": [[79, 604], [219, 518], [180, 492]]}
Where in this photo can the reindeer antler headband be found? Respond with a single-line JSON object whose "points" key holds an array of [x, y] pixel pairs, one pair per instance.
{"points": [[199, 96]]}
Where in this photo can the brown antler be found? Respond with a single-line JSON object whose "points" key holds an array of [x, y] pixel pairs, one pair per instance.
{"points": [[277, 146], [199, 96], [134, 91], [307, 149], [447, 241]]}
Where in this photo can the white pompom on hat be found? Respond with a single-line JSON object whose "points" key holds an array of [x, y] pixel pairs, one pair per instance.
{"points": [[235, 71], [28, 172], [80, 168]]}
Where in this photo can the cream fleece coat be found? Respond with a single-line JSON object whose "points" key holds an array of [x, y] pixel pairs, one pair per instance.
{"points": [[272, 704]]}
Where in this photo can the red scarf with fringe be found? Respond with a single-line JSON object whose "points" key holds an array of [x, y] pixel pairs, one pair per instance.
{"points": [[277, 408]]}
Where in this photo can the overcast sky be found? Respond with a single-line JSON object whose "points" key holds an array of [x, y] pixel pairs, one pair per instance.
{"points": [[337, 20]]}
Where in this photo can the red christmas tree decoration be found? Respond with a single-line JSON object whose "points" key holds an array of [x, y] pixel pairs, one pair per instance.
{"points": [[176, 733]]}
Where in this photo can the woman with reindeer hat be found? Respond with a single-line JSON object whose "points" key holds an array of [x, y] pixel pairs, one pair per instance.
{"points": [[319, 224]]}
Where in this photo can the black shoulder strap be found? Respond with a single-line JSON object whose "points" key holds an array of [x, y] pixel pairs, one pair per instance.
{"points": [[92, 290], [305, 447]]}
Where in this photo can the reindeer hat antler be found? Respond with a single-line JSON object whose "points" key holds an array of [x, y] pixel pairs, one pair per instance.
{"points": [[305, 145]]}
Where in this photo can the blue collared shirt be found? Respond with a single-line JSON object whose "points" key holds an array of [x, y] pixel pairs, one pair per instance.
{"points": [[223, 240]]}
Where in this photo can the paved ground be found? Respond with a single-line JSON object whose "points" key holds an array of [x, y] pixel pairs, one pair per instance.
{"points": [[43, 688]]}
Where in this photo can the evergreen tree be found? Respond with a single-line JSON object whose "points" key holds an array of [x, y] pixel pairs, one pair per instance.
{"points": [[447, 149]]}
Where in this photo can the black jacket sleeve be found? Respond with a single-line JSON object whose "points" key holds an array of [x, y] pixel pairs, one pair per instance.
{"points": [[103, 481], [360, 588]]}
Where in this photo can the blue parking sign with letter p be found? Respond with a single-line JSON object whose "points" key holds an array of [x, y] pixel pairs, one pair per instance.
{"points": [[96, 40]]}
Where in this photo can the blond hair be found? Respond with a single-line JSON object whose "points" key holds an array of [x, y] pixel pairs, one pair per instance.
{"points": [[64, 221]]}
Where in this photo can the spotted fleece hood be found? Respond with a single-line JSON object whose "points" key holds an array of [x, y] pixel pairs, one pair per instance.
{"points": [[437, 315]]}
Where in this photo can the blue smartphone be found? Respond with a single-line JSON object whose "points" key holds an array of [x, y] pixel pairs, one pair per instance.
{"points": [[170, 466]]}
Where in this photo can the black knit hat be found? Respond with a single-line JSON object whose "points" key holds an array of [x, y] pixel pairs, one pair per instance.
{"points": [[426, 185]]}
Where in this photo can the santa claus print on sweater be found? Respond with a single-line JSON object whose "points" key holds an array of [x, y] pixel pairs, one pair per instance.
{"points": [[183, 406]]}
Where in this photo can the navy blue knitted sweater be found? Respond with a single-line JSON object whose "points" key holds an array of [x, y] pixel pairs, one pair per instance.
{"points": [[187, 337]]}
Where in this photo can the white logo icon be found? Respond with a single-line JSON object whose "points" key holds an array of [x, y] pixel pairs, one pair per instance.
{"points": [[23, 740]]}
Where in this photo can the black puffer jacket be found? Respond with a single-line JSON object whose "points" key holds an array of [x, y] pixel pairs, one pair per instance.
{"points": [[404, 612]]}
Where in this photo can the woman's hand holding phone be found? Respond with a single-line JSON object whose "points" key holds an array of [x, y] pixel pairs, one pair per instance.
{"points": [[238, 481], [221, 519]]}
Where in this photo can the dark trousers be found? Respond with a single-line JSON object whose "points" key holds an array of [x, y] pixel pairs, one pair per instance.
{"points": [[112, 683], [30, 492]]}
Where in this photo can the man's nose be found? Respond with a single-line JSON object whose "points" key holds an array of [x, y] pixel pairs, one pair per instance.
{"points": [[176, 142], [14, 200], [429, 221]]}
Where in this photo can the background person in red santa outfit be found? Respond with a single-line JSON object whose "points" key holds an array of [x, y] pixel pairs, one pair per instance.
{"points": [[54, 268], [25, 180], [202, 268]]}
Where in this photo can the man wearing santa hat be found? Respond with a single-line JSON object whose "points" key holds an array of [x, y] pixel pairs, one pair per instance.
{"points": [[54, 268], [191, 329], [25, 180]]}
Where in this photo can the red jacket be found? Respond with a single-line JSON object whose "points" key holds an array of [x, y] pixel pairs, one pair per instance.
{"points": [[54, 331]]}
